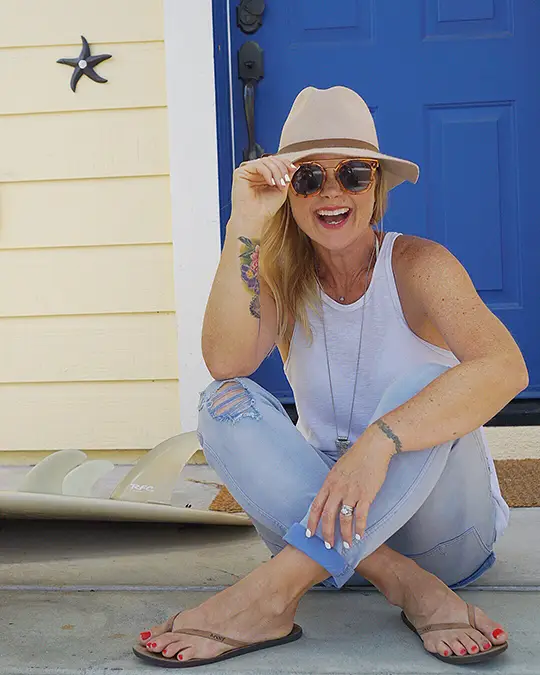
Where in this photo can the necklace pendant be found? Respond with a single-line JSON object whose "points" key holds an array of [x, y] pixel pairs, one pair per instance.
{"points": [[343, 443]]}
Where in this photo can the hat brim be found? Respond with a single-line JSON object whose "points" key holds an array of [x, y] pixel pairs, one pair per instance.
{"points": [[395, 169]]}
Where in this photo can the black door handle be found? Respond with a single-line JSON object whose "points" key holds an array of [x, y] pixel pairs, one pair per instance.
{"points": [[249, 15], [250, 71]]}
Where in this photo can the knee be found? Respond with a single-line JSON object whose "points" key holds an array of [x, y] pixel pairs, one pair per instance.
{"points": [[228, 401]]}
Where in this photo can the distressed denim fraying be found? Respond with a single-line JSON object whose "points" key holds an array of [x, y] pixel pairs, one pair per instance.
{"points": [[231, 403]]}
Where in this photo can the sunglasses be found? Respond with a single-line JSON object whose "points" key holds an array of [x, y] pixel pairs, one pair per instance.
{"points": [[354, 175]]}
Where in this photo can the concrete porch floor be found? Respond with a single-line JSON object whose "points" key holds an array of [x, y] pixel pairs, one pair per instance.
{"points": [[74, 595]]}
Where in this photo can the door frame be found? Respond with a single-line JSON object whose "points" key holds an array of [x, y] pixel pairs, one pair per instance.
{"points": [[196, 61]]}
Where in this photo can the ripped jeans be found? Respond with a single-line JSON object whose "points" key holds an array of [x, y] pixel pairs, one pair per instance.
{"points": [[435, 505]]}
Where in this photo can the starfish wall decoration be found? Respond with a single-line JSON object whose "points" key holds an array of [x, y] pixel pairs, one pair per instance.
{"points": [[84, 64]]}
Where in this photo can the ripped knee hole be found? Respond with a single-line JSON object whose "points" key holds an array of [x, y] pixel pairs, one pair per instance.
{"points": [[231, 402]]}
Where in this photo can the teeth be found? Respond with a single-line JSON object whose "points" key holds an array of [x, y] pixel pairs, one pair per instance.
{"points": [[337, 212]]}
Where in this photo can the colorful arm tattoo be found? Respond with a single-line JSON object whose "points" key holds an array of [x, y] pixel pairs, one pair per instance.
{"points": [[391, 435], [249, 255]]}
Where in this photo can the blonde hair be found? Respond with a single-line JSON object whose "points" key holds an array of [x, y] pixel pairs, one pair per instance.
{"points": [[287, 264]]}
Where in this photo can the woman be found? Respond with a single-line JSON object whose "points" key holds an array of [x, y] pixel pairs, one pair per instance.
{"points": [[395, 364]]}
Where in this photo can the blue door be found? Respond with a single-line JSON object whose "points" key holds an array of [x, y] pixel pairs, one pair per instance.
{"points": [[453, 86]]}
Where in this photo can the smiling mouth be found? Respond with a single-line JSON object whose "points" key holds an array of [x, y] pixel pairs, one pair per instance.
{"points": [[333, 221]]}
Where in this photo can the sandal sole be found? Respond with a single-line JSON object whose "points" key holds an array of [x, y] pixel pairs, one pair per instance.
{"points": [[173, 662]]}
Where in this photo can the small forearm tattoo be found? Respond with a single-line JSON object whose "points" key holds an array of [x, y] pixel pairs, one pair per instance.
{"points": [[391, 435], [249, 256]]}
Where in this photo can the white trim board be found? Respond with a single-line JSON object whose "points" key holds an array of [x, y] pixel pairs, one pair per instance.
{"points": [[194, 204]]}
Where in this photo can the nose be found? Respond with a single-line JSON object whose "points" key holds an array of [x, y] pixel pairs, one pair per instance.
{"points": [[331, 186]]}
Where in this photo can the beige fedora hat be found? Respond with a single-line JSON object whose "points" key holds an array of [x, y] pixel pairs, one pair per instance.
{"points": [[337, 120]]}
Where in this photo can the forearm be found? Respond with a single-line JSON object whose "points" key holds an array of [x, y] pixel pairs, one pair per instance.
{"points": [[232, 316], [455, 403]]}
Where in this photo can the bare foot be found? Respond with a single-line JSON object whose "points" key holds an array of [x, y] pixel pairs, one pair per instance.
{"points": [[427, 600], [240, 612]]}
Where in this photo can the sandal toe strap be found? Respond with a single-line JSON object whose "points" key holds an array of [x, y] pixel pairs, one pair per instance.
{"points": [[441, 626], [447, 626], [212, 636]]}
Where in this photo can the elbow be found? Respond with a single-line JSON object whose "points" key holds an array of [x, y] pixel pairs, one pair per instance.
{"points": [[223, 366], [223, 374], [516, 376], [223, 371], [522, 377]]}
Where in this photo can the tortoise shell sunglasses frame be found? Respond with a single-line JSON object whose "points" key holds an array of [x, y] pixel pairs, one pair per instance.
{"points": [[372, 163]]}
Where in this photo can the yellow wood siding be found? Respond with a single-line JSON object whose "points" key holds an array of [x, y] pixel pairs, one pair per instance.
{"points": [[128, 211], [58, 22], [101, 347], [89, 144], [100, 415], [87, 280], [87, 313], [135, 74]]}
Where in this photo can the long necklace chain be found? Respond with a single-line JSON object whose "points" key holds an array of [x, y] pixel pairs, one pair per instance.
{"points": [[342, 442]]}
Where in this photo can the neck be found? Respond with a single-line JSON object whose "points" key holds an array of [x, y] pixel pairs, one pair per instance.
{"points": [[342, 269]]}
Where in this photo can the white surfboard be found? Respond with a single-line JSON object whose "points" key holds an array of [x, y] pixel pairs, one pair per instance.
{"points": [[60, 487]]}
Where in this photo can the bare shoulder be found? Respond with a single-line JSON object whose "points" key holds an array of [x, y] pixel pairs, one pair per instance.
{"points": [[429, 279], [418, 252], [425, 264]]}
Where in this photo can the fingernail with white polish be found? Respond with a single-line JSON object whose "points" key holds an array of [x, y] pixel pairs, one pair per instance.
{"points": [[357, 537], [308, 533], [327, 544], [346, 545]]}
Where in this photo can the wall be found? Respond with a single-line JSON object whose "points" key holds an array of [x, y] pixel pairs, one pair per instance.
{"points": [[87, 309]]}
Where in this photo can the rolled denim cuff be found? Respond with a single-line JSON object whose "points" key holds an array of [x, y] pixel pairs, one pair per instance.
{"points": [[328, 558]]}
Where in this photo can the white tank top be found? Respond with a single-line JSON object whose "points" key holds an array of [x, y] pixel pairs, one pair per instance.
{"points": [[389, 349]]}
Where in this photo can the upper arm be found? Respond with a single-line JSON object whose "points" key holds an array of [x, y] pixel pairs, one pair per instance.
{"points": [[439, 286], [267, 325]]}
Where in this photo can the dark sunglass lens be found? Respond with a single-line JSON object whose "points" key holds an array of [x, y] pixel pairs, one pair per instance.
{"points": [[355, 176], [307, 179]]}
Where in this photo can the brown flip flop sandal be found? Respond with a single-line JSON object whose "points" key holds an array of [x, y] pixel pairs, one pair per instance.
{"points": [[469, 658], [240, 648]]}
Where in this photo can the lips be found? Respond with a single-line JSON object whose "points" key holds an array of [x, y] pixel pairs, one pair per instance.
{"points": [[333, 221]]}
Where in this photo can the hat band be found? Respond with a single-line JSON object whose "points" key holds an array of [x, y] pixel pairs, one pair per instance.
{"points": [[328, 143]]}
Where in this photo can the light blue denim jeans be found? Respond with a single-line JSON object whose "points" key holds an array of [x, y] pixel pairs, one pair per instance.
{"points": [[435, 505]]}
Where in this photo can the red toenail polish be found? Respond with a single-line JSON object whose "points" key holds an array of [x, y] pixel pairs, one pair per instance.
{"points": [[446, 653], [145, 635], [487, 646], [463, 651], [180, 657], [153, 645], [474, 648], [164, 652], [497, 632]]}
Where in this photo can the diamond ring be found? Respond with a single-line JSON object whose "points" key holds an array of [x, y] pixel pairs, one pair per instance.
{"points": [[346, 510]]}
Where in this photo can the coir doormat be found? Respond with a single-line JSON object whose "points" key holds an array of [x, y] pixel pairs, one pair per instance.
{"points": [[519, 480]]}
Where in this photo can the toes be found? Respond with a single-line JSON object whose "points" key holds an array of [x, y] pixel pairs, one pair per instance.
{"points": [[470, 645], [172, 649], [149, 634], [480, 640], [443, 649], [158, 644], [498, 635], [457, 647], [186, 654], [491, 630]]}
